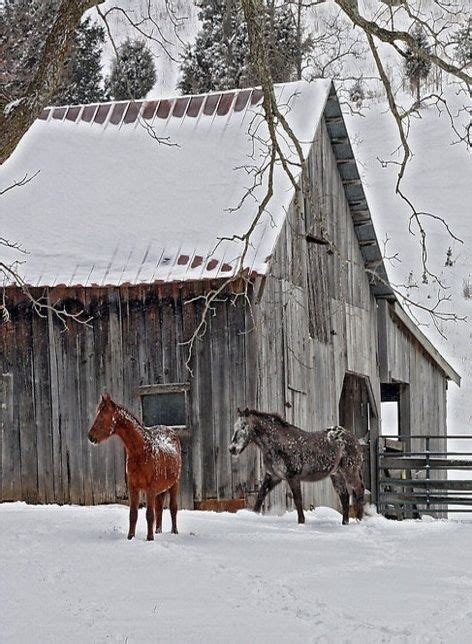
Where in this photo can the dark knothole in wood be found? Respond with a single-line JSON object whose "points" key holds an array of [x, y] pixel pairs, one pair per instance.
{"points": [[313, 239]]}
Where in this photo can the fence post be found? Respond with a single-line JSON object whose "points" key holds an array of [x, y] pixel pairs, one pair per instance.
{"points": [[428, 472]]}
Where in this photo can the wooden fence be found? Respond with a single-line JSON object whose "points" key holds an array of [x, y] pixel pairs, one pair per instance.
{"points": [[413, 476]]}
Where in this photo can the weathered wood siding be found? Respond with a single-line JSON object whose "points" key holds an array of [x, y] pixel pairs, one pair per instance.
{"points": [[51, 382], [317, 319], [423, 403], [287, 348], [403, 360]]}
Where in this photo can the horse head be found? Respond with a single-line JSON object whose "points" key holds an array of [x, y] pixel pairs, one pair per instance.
{"points": [[243, 432], [105, 419]]}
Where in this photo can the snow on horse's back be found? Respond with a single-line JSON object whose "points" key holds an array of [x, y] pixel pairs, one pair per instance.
{"points": [[153, 462], [293, 455]]}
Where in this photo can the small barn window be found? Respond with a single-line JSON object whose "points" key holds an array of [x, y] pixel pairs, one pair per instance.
{"points": [[395, 409], [165, 404]]}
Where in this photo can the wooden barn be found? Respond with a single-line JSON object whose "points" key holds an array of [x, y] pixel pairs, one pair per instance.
{"points": [[134, 218]]}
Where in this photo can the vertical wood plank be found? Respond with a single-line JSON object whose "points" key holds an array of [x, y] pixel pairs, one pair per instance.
{"points": [[187, 484], [220, 393], [43, 409], [24, 376]]}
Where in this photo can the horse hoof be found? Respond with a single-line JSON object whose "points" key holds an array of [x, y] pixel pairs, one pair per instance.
{"points": [[175, 531], [150, 538], [130, 536]]}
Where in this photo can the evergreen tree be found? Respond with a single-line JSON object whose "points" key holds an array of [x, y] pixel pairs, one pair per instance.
{"points": [[133, 71], [25, 25], [357, 94], [463, 38], [416, 68], [285, 48], [219, 59], [83, 81]]}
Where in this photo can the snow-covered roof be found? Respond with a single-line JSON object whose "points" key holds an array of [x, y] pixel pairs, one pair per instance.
{"points": [[148, 190]]}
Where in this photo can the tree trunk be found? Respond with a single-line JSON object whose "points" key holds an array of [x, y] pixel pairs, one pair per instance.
{"points": [[17, 118], [299, 40]]}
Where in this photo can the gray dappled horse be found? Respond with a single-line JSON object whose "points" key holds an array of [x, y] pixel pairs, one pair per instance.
{"points": [[291, 454]]}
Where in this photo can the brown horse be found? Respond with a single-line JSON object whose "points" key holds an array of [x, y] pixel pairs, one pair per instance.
{"points": [[294, 455], [153, 462]]}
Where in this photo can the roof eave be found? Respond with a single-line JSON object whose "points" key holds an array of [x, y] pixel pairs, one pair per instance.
{"points": [[427, 345], [354, 191], [365, 231]]}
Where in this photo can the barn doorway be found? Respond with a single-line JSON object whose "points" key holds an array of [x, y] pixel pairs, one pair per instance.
{"points": [[358, 413]]}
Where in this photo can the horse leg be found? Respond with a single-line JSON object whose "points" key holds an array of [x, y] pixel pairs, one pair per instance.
{"points": [[343, 493], [268, 484], [158, 508], [173, 505], [133, 511], [358, 497], [150, 514], [355, 485], [296, 488]]}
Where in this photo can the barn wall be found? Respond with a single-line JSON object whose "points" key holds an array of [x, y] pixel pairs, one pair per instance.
{"points": [[317, 319], [53, 379], [314, 321], [404, 360]]}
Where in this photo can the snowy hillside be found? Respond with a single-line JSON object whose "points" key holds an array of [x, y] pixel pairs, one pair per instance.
{"points": [[231, 578]]}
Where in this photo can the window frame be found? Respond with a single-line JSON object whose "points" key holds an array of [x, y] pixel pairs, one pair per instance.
{"points": [[167, 388]]}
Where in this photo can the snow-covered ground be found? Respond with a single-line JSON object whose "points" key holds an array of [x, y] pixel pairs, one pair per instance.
{"points": [[68, 574]]}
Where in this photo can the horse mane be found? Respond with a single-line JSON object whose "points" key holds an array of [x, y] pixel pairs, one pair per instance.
{"points": [[128, 415], [268, 416]]}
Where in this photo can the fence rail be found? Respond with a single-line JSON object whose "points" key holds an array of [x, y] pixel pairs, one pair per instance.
{"points": [[412, 476]]}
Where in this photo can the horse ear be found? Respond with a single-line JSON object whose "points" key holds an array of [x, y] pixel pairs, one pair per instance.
{"points": [[106, 398], [246, 412], [239, 412]]}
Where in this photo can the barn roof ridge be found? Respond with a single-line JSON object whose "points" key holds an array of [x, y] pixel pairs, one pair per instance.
{"points": [[167, 114], [150, 231], [127, 111], [226, 103]]}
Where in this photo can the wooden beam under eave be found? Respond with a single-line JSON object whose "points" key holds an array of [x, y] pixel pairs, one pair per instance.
{"points": [[427, 345]]}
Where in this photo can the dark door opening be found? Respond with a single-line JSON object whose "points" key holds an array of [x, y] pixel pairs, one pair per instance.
{"points": [[357, 412]]}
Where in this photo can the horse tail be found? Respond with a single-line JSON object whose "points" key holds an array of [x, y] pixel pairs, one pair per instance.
{"points": [[350, 445], [350, 464]]}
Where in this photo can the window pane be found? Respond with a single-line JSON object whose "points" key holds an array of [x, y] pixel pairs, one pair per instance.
{"points": [[164, 409]]}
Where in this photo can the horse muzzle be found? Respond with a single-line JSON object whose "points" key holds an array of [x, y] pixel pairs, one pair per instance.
{"points": [[93, 440]]}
